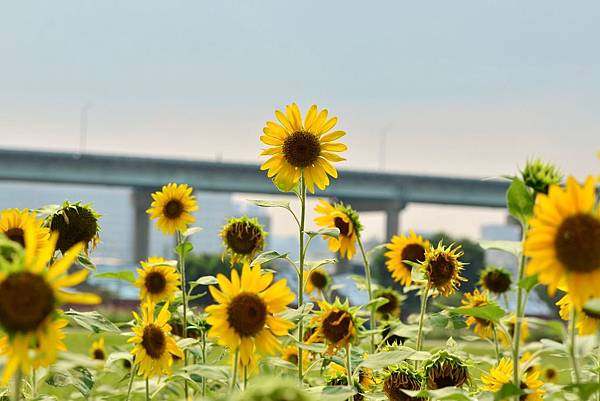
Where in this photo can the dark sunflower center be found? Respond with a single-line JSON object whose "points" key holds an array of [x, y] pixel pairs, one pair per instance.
{"points": [[247, 314], [414, 253], [26, 300], [550, 374], [243, 238], [154, 341], [390, 306], [301, 149], [318, 279], [155, 282], [341, 225], [99, 354], [446, 375], [523, 397], [577, 243], [17, 235], [398, 381], [173, 209], [293, 359], [441, 271], [497, 282], [75, 224], [336, 326]]}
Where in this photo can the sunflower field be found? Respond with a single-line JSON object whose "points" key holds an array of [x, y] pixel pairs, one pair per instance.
{"points": [[258, 339]]}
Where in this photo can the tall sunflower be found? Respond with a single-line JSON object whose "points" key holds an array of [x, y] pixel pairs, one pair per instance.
{"points": [[157, 281], [336, 324], [391, 309], [442, 268], [506, 338], [444, 369], [75, 222], [243, 238], [172, 206], [13, 223], [502, 373], [97, 351], [316, 280], [495, 279], [483, 328], [345, 219], [244, 317], [30, 296], [404, 248], [154, 346], [587, 322], [302, 148], [564, 240]]}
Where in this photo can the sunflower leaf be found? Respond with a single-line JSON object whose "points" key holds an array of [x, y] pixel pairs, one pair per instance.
{"points": [[205, 280], [127, 276], [584, 390], [512, 247], [78, 377], [269, 203], [268, 256], [85, 261], [184, 248], [92, 321], [385, 359], [507, 391], [191, 231], [529, 282], [325, 232], [520, 200], [491, 312]]}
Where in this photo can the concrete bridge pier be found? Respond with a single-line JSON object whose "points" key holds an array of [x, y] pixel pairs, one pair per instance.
{"points": [[392, 210], [141, 200]]}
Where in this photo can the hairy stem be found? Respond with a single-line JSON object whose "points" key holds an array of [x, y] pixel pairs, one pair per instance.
{"points": [[236, 362], [572, 349], [349, 366], [184, 300], [370, 291], [301, 276], [424, 296], [496, 342], [519, 315]]}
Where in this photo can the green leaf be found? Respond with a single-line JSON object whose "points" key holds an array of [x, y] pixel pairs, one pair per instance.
{"points": [[332, 393], [439, 320], [204, 280], [86, 262], [446, 393], [491, 312], [385, 359], [79, 377], [267, 203], [209, 371], [184, 248], [92, 321], [128, 276], [267, 257], [529, 282], [326, 232], [507, 391], [584, 390], [512, 247], [314, 265], [316, 348], [191, 231], [592, 307], [458, 322], [520, 200]]}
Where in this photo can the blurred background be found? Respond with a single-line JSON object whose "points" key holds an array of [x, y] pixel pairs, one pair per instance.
{"points": [[445, 89]]}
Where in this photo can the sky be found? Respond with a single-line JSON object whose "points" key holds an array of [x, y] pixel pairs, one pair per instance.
{"points": [[461, 88]]}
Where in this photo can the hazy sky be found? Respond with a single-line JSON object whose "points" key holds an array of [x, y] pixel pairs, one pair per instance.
{"points": [[456, 87]]}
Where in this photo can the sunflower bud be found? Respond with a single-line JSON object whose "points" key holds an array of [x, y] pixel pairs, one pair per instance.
{"points": [[495, 279], [243, 238], [538, 175]]}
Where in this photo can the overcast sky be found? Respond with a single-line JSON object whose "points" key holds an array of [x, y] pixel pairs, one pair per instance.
{"points": [[467, 88]]}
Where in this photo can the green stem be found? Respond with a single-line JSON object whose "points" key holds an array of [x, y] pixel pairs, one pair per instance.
{"points": [[132, 374], [147, 390], [245, 377], [370, 290], [505, 296], [184, 300], [301, 276], [496, 342], [519, 315], [18, 383], [572, 349], [236, 361], [203, 361], [424, 297], [349, 366], [33, 383]]}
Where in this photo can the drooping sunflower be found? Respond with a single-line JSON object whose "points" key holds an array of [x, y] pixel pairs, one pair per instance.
{"points": [[444, 369], [564, 240], [345, 219], [405, 248], [510, 328], [13, 223], [97, 351], [172, 206], [587, 322], [496, 280], [502, 373], [336, 324], [316, 280], [483, 328], [400, 378], [391, 309], [30, 296], [302, 148], [154, 347], [244, 316], [442, 268], [157, 280], [75, 223], [243, 238]]}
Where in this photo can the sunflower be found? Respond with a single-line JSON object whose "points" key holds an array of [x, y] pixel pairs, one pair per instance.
{"points": [[564, 241], [505, 339], [442, 268], [14, 221], [336, 324], [243, 238], [586, 321], [502, 373], [345, 219], [30, 295], [157, 281], [172, 206], [290, 354], [337, 375], [400, 378], [483, 328], [301, 149], [316, 279], [391, 309], [444, 369], [154, 347], [403, 248], [75, 222], [550, 374], [97, 351], [496, 280], [244, 317]]}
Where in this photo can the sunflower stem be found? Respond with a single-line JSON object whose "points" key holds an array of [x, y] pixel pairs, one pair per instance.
{"points": [[18, 384], [369, 290], [424, 296], [495, 332], [184, 300], [245, 377], [33, 382], [147, 390], [572, 349], [301, 276], [519, 314], [132, 374], [349, 366], [236, 361], [204, 361]]}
